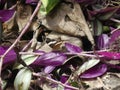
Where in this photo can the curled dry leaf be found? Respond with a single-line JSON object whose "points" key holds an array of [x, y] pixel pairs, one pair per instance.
{"points": [[8, 25], [23, 14], [19, 19], [55, 39], [67, 20]]}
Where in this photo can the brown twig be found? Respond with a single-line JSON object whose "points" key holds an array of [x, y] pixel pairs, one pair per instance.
{"points": [[19, 37]]}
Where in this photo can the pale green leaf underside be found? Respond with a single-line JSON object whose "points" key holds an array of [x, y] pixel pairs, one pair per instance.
{"points": [[87, 65], [22, 80], [28, 59]]}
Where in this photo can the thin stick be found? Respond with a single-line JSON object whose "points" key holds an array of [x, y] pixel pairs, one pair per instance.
{"points": [[56, 82], [27, 45], [115, 20], [19, 37], [31, 53]]}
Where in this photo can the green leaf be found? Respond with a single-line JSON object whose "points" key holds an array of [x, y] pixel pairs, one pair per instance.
{"points": [[87, 65], [106, 28], [22, 80], [118, 26], [98, 27], [47, 6], [75, 84], [60, 87], [28, 59], [107, 15]]}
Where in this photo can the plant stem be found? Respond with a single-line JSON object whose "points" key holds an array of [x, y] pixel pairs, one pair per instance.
{"points": [[19, 37], [115, 20], [31, 53], [54, 81], [27, 45]]}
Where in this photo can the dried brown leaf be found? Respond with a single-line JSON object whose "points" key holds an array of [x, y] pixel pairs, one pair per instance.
{"points": [[23, 15], [58, 40], [68, 20]]}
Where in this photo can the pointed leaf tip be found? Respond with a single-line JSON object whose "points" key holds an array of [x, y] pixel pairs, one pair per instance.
{"points": [[95, 71], [72, 48]]}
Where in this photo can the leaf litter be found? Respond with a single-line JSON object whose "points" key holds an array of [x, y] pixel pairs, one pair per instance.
{"points": [[42, 43]]}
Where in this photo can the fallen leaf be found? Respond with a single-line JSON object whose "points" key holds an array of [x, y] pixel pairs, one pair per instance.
{"points": [[67, 20], [87, 65], [23, 79], [95, 71]]}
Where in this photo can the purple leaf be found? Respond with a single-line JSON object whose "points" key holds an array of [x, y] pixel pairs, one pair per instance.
{"points": [[107, 10], [95, 71], [64, 78], [40, 52], [2, 1], [6, 15], [106, 15], [86, 1], [114, 36], [102, 41], [72, 48], [10, 57], [113, 66], [110, 55], [49, 69], [103, 14], [50, 59], [33, 2]]}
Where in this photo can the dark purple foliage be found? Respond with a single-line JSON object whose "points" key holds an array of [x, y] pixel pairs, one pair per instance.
{"points": [[114, 36], [33, 2], [95, 71], [86, 1], [6, 15], [102, 14], [110, 55], [50, 59], [64, 79], [2, 1], [10, 57], [72, 48], [102, 41], [103, 11]]}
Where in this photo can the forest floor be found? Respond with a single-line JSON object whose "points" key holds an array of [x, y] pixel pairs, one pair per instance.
{"points": [[59, 45]]}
